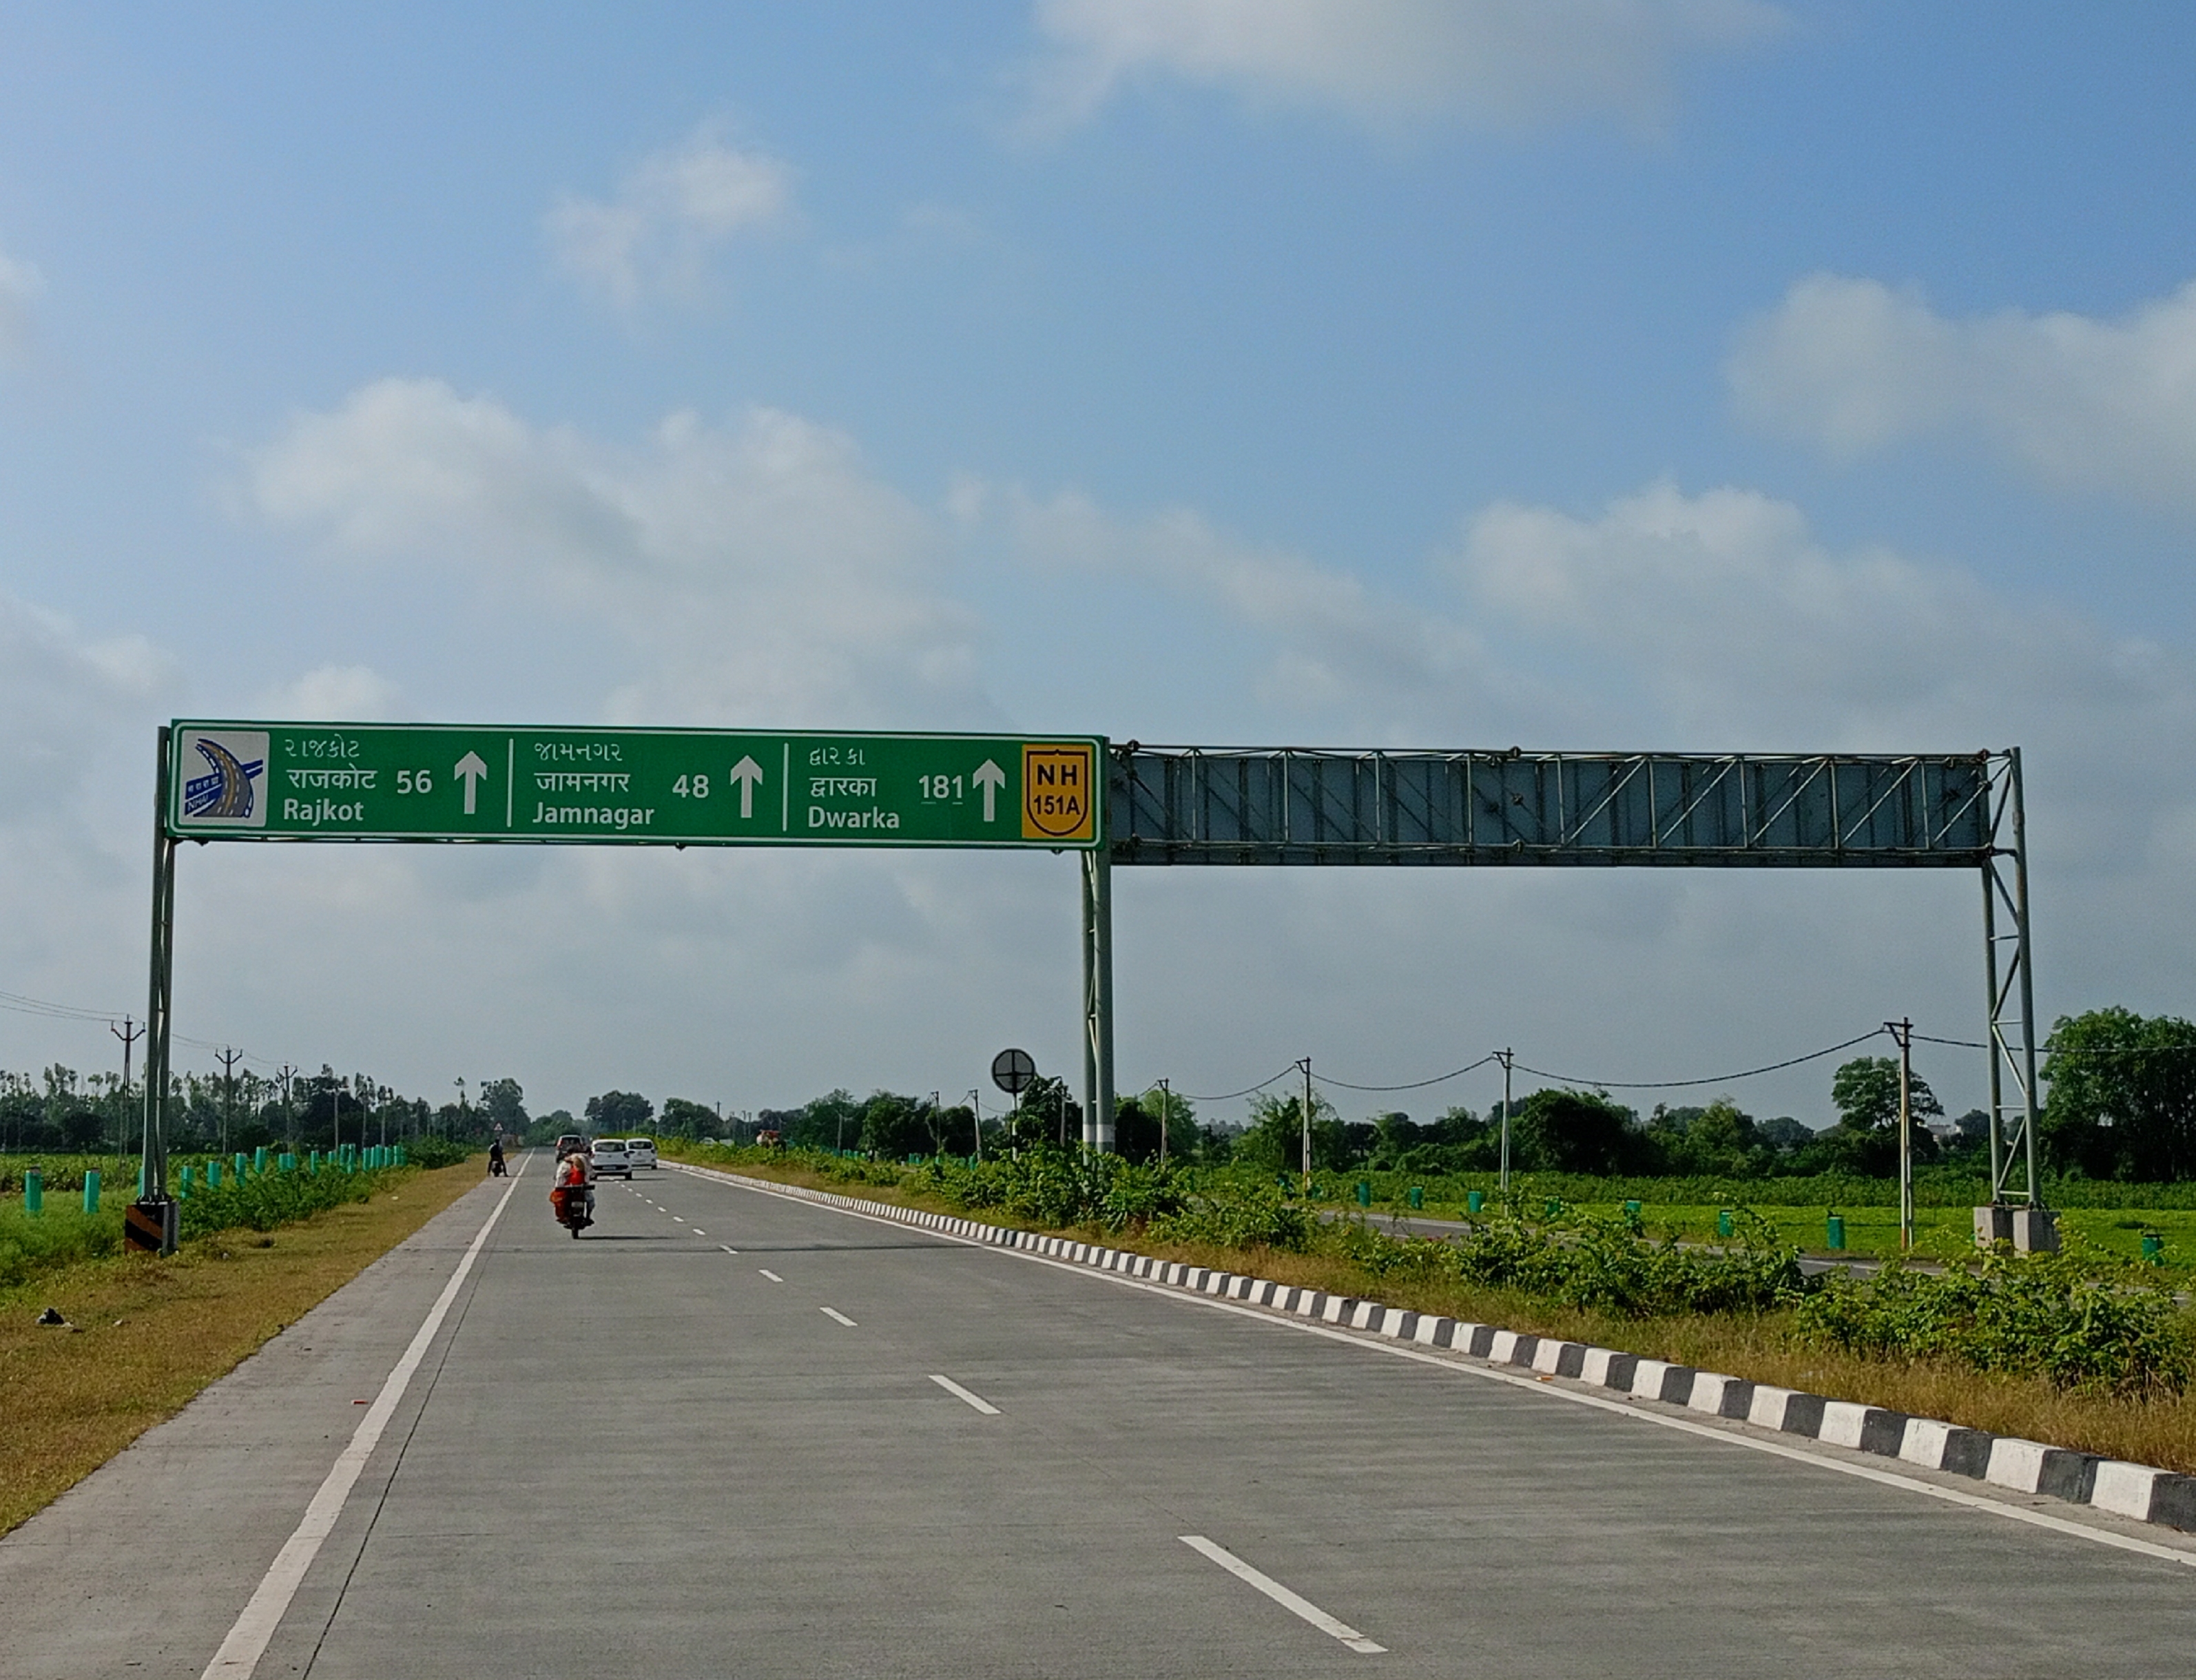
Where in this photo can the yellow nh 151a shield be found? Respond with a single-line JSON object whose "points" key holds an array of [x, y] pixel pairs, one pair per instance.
{"points": [[1060, 799]]}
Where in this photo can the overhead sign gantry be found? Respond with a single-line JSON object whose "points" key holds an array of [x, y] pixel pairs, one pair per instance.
{"points": [[1130, 805]]}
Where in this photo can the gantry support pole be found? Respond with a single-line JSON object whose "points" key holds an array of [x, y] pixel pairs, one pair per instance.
{"points": [[2025, 956], [2010, 958], [159, 1001], [1097, 870]]}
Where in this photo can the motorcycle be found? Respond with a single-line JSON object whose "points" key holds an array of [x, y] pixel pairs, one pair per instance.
{"points": [[570, 1203]]}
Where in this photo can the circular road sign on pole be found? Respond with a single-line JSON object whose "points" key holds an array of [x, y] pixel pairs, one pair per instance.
{"points": [[1013, 1070]]}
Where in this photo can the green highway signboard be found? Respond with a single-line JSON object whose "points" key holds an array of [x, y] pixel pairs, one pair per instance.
{"points": [[650, 787]]}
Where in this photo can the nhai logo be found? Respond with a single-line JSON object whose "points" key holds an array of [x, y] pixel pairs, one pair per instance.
{"points": [[228, 792]]}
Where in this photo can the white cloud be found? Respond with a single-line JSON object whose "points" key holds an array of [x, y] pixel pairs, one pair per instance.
{"points": [[62, 692], [1853, 367], [19, 286], [1496, 64], [1332, 639], [653, 238], [334, 693], [1718, 621], [752, 573]]}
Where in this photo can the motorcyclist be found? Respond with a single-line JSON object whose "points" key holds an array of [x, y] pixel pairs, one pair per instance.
{"points": [[495, 1159], [576, 1171]]}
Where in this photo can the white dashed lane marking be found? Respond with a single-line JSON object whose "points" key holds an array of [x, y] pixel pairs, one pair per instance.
{"points": [[959, 1393], [1295, 1603], [770, 1275], [835, 1314]]}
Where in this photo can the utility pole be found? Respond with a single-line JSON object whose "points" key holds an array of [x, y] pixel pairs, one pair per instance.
{"points": [[1166, 1118], [1903, 1031], [1505, 1057], [128, 1032], [289, 1122], [229, 1059], [976, 1106], [1305, 1064]]}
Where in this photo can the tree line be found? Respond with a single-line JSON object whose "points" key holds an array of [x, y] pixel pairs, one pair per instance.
{"points": [[2121, 1105], [61, 1111]]}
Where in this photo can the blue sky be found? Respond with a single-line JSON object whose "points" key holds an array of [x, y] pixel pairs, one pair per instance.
{"points": [[1440, 372]]}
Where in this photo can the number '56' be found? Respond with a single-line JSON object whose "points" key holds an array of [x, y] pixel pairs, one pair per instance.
{"points": [[414, 782]]}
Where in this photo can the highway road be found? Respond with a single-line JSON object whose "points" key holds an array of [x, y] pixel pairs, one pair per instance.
{"points": [[729, 1434]]}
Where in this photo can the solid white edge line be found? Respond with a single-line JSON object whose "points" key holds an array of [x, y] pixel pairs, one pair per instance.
{"points": [[959, 1393], [1294, 1602], [1532, 1384], [247, 1640], [834, 1313]]}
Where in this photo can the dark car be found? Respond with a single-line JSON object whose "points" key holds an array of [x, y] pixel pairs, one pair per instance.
{"points": [[568, 1143]]}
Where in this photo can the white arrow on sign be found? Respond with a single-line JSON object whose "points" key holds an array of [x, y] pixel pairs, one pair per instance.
{"points": [[746, 773], [991, 778], [472, 769]]}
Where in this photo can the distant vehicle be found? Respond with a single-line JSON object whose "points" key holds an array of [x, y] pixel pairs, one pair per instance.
{"points": [[568, 1143], [609, 1155], [642, 1150]]}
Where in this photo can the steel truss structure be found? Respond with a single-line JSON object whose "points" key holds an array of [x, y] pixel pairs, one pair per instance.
{"points": [[1169, 805]]}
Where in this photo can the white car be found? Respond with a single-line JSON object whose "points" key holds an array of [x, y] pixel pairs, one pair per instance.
{"points": [[643, 1151], [609, 1155]]}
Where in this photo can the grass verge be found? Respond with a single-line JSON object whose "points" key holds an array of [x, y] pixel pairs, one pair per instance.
{"points": [[1762, 1347], [152, 1332]]}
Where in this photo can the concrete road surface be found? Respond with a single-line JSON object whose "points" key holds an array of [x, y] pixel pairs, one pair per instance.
{"points": [[852, 1449]]}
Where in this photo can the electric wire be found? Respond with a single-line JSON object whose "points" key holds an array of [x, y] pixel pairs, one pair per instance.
{"points": [[1719, 1079], [60, 1012], [1415, 1084], [2070, 1050], [1247, 1091]]}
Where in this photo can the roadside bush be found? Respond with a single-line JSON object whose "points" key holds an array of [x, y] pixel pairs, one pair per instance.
{"points": [[56, 1238], [1061, 1187], [1255, 1219], [439, 1151], [277, 1198], [1585, 1260], [2078, 1319]]}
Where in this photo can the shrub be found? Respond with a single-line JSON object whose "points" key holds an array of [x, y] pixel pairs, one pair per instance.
{"points": [[277, 1198], [59, 1236], [2077, 1318], [1259, 1219]]}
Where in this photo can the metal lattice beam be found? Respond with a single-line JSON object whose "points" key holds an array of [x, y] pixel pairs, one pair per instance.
{"points": [[1191, 805]]}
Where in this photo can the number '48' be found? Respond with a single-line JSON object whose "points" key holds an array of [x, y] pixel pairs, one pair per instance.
{"points": [[691, 787]]}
